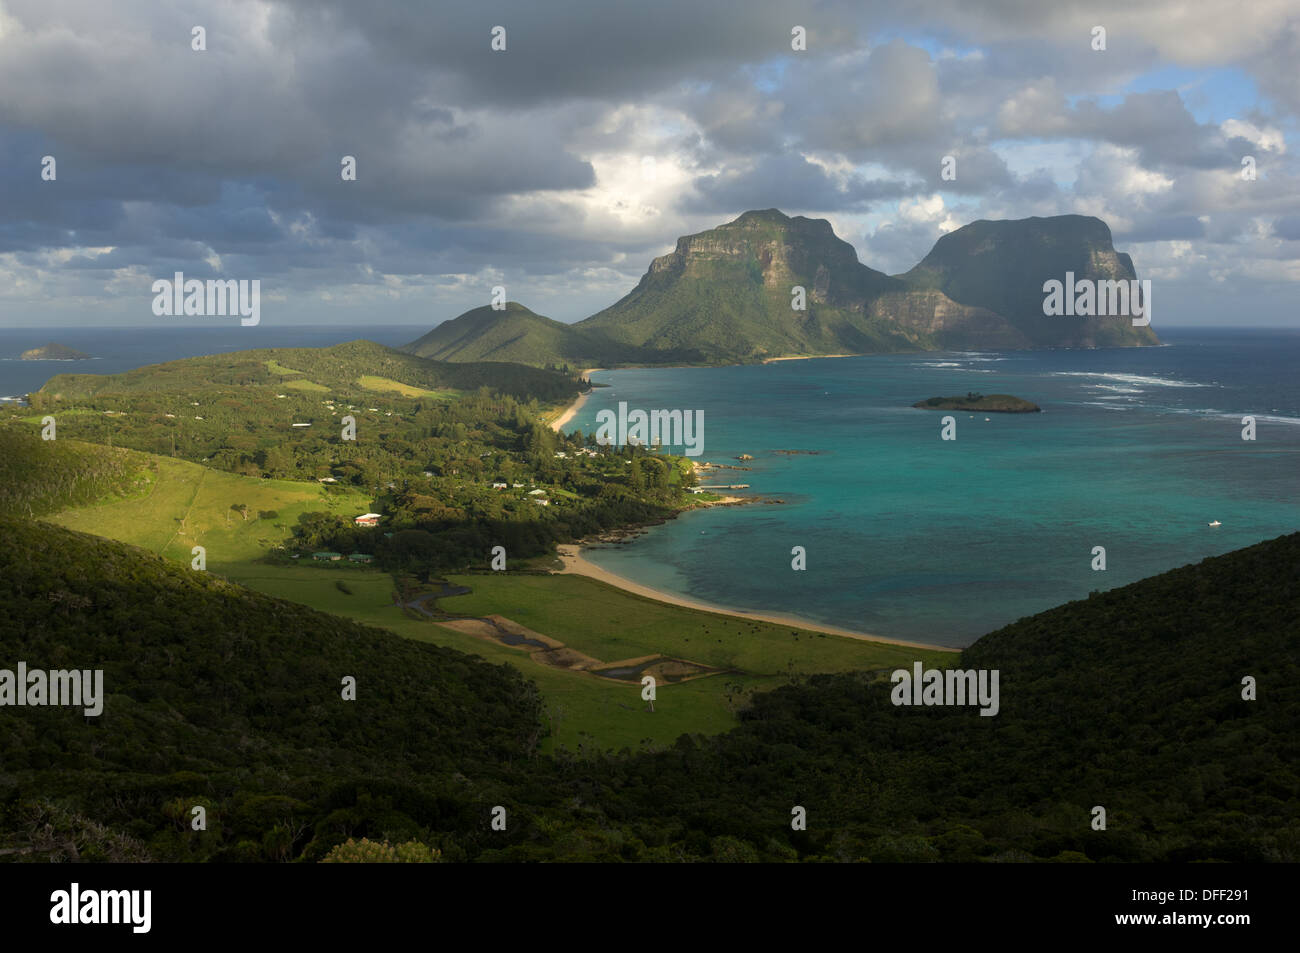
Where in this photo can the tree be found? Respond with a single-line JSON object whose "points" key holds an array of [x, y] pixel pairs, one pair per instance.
{"points": [[366, 851]]}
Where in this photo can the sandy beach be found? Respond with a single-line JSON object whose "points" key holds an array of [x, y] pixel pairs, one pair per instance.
{"points": [[806, 357], [571, 557], [572, 410]]}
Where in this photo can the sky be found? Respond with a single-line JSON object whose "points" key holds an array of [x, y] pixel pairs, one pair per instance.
{"points": [[559, 166]]}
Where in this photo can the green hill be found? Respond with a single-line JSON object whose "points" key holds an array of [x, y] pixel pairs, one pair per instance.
{"points": [[44, 476], [338, 369], [725, 295], [512, 334], [226, 698]]}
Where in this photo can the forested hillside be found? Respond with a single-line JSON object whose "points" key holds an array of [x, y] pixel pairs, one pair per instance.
{"points": [[42, 476], [222, 697]]}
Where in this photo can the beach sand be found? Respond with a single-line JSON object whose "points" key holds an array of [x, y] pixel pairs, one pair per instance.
{"points": [[805, 357], [572, 410], [571, 557]]}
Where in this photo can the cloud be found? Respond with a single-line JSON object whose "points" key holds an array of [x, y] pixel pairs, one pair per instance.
{"points": [[528, 166]]}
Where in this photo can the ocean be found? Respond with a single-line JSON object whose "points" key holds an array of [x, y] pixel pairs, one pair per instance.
{"points": [[911, 537]]}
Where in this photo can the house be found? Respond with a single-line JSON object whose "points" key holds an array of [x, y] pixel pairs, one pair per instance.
{"points": [[328, 480], [327, 557], [361, 558], [498, 486], [537, 492], [367, 519], [543, 502]]}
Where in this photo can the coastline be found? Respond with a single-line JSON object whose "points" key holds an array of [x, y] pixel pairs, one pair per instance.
{"points": [[575, 564], [572, 410]]}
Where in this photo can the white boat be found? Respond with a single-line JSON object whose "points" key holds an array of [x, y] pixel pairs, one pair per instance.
{"points": [[1216, 523]]}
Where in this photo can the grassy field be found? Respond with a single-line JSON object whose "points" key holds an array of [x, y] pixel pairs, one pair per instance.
{"points": [[586, 712], [310, 386], [371, 382], [185, 505], [565, 607], [275, 367]]}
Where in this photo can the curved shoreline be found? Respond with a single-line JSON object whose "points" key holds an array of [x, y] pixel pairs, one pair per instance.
{"points": [[572, 410], [574, 563]]}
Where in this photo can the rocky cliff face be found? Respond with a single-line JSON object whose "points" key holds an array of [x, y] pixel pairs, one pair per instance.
{"points": [[726, 294], [1002, 266]]}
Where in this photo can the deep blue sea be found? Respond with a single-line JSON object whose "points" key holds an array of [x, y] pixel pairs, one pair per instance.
{"points": [[908, 536]]}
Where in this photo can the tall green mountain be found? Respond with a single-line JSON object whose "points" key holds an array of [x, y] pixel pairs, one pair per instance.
{"points": [[725, 295]]}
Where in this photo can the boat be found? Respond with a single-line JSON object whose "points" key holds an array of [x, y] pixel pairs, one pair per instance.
{"points": [[1216, 523]]}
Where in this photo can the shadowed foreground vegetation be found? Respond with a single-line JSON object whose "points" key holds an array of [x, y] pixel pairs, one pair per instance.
{"points": [[225, 698]]}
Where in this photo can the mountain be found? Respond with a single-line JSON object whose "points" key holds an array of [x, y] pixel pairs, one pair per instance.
{"points": [[724, 296], [1001, 267]]}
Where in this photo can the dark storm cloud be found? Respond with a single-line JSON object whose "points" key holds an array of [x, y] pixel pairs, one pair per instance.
{"points": [[570, 49], [790, 182]]}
